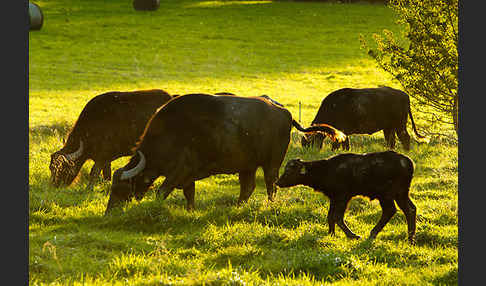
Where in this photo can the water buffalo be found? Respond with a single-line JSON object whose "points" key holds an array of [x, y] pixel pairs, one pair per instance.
{"points": [[385, 176], [195, 136], [107, 128], [264, 96], [365, 111]]}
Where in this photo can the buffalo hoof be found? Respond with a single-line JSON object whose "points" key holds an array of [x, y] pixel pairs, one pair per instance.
{"points": [[411, 240], [190, 208], [271, 198]]}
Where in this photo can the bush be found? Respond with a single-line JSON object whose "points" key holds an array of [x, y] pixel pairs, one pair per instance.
{"points": [[428, 68]]}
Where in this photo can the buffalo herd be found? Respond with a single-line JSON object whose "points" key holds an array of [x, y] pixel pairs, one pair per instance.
{"points": [[185, 138]]}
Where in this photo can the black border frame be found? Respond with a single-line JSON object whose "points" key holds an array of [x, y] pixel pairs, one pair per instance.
{"points": [[15, 142]]}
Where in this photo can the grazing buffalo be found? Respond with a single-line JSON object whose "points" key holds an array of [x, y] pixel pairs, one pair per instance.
{"points": [[195, 136], [264, 96], [385, 176], [365, 111], [107, 128]]}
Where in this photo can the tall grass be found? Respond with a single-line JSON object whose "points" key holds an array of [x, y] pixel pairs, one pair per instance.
{"points": [[296, 52]]}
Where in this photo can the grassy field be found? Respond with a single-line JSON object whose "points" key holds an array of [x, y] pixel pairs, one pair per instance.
{"points": [[292, 51]]}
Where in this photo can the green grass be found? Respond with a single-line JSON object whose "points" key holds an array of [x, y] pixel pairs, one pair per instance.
{"points": [[292, 51]]}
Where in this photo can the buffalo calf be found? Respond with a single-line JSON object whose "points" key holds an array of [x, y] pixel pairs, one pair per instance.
{"points": [[385, 176]]}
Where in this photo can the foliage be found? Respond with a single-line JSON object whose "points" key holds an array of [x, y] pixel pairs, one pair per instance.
{"points": [[428, 68]]}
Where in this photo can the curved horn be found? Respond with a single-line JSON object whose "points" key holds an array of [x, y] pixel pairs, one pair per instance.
{"points": [[135, 170], [76, 154]]}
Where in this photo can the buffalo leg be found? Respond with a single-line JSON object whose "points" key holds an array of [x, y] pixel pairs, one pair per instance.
{"points": [[166, 193], [346, 144], [314, 140], [270, 175], [388, 210], [107, 171], [331, 219], [336, 145], [178, 177], [389, 137], [189, 192], [404, 137], [247, 185], [319, 139], [410, 211], [94, 174], [340, 208], [166, 189]]}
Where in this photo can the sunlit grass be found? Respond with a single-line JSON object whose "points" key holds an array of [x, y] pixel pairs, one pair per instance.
{"points": [[224, 3], [295, 52]]}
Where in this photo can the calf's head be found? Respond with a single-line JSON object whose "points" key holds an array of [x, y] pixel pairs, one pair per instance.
{"points": [[129, 181], [65, 167], [294, 174]]}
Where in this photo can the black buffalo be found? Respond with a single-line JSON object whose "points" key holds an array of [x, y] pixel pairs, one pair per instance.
{"points": [[385, 176], [365, 111], [198, 135], [107, 128], [264, 96]]}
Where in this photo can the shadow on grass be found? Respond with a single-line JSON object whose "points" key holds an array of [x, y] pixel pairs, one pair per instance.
{"points": [[448, 278], [272, 253], [152, 215], [373, 218]]}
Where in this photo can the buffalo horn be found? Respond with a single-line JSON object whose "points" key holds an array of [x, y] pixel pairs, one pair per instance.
{"points": [[135, 170]]}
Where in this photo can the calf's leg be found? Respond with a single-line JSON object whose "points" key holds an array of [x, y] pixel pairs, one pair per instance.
{"points": [[340, 209], [410, 211], [388, 210], [331, 220], [336, 215]]}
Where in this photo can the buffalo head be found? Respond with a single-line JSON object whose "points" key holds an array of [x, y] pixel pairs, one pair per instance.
{"points": [[65, 167], [294, 173], [129, 182]]}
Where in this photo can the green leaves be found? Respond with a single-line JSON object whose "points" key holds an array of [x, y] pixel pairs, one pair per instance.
{"points": [[428, 68]]}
